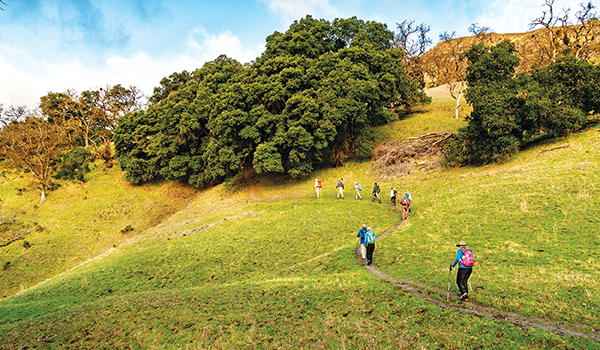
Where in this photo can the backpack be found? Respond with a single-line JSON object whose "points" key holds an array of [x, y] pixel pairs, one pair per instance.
{"points": [[468, 258], [404, 201], [319, 184], [341, 184], [359, 187], [370, 237]]}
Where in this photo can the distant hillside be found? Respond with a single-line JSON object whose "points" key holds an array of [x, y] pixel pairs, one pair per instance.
{"points": [[539, 46]]}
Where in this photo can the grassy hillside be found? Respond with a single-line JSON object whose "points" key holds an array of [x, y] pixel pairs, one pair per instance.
{"points": [[280, 271], [78, 221]]}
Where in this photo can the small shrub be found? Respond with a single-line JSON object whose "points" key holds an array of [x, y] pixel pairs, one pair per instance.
{"points": [[20, 191], [127, 229], [6, 265], [37, 227], [26, 245], [53, 186]]}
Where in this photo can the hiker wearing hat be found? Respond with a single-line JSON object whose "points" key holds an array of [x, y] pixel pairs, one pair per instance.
{"points": [[465, 261], [370, 240], [362, 234], [357, 188]]}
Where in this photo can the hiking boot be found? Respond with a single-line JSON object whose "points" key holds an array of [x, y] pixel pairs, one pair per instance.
{"points": [[464, 297]]}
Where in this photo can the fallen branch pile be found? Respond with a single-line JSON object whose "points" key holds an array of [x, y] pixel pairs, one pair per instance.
{"points": [[403, 157]]}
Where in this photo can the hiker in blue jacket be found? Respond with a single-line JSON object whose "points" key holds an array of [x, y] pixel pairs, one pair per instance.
{"points": [[370, 240], [340, 188], [465, 261], [362, 234]]}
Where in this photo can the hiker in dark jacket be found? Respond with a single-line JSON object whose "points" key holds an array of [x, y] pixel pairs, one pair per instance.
{"points": [[465, 261], [376, 191]]}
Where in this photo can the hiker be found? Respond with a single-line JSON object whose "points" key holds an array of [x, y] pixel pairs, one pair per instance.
{"points": [[357, 188], [340, 187], [376, 191], [370, 240], [317, 186], [362, 234], [405, 202], [408, 197], [393, 194], [465, 260]]}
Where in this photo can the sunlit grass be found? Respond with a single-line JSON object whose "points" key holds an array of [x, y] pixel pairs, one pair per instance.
{"points": [[80, 221]]}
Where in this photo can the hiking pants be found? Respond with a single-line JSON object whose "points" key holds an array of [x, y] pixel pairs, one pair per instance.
{"points": [[357, 195], [462, 280], [317, 190], [393, 200], [370, 249], [363, 251], [340, 192]]}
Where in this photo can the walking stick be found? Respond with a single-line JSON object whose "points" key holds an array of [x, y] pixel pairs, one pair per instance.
{"points": [[448, 295]]}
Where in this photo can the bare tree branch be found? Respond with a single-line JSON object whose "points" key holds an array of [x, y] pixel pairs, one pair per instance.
{"points": [[413, 41], [476, 30]]}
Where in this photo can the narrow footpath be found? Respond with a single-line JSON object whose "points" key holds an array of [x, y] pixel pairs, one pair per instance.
{"points": [[424, 293]]}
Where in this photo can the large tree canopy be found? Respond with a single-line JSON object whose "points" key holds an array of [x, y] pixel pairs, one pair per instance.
{"points": [[312, 97]]}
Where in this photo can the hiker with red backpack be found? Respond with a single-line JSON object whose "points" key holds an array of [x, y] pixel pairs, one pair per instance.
{"points": [[405, 202], [340, 187], [465, 260], [317, 186]]}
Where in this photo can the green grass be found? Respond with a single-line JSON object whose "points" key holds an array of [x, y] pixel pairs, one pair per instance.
{"points": [[436, 117], [79, 221], [283, 274]]}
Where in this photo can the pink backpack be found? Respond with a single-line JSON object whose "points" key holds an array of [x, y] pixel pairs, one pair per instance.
{"points": [[468, 259]]}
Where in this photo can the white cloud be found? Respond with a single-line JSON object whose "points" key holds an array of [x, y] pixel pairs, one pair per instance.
{"points": [[210, 46], [295, 9], [24, 84]]}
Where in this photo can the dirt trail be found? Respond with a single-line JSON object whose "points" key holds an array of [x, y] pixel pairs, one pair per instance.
{"points": [[425, 293]]}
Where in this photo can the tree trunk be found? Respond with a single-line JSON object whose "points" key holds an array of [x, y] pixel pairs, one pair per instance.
{"points": [[43, 194], [457, 105]]}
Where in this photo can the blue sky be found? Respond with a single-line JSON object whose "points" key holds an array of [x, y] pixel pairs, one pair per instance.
{"points": [[48, 45]]}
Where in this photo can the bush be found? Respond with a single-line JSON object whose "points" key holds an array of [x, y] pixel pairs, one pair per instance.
{"points": [[26, 244], [127, 229], [73, 165]]}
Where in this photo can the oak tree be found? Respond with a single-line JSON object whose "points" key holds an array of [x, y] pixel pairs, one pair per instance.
{"points": [[33, 145]]}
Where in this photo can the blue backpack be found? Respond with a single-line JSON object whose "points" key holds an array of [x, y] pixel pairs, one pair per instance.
{"points": [[370, 237]]}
